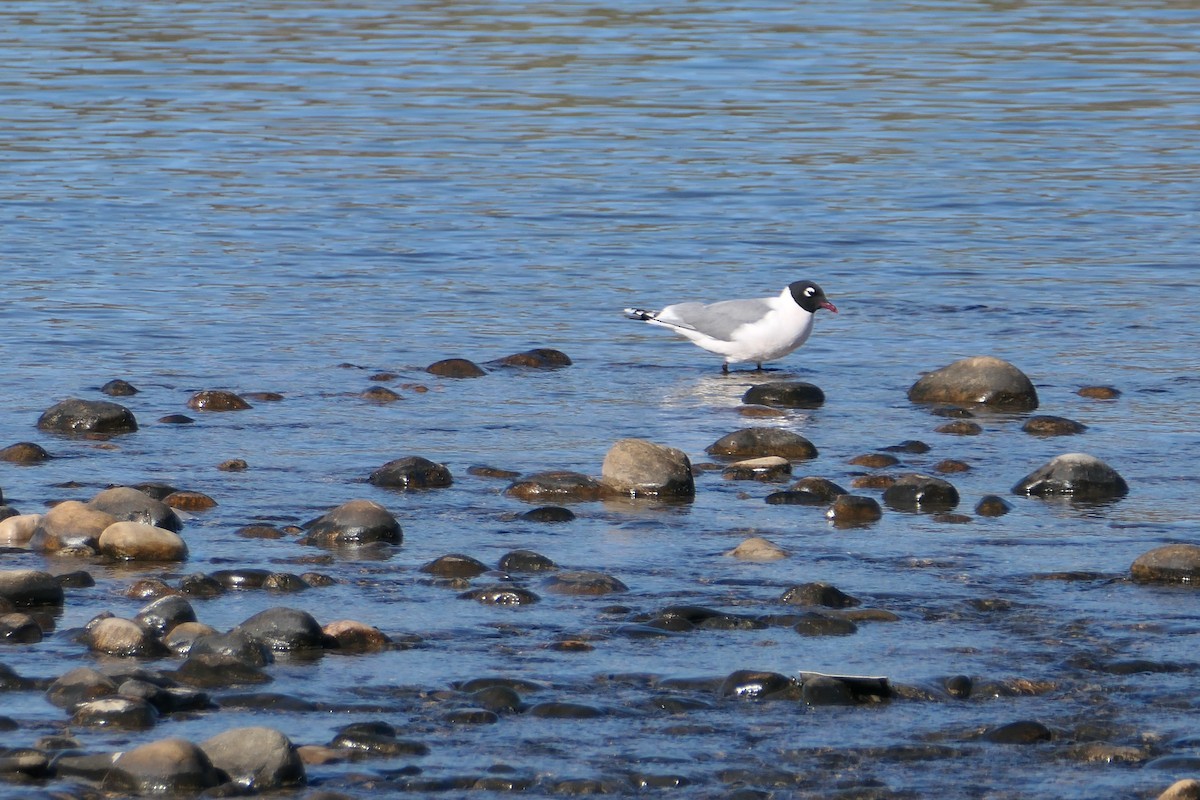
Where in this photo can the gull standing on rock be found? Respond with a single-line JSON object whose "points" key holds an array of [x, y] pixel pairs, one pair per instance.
{"points": [[759, 330]]}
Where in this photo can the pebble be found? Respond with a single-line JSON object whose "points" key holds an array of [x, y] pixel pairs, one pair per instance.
{"points": [[24, 453], [258, 757], [29, 587], [168, 766], [526, 561], [818, 593], [283, 628], [551, 514], [537, 358], [123, 713], [583, 582], [991, 505], [501, 596], [960, 427], [1099, 392], [125, 503], [353, 636], [455, 565]]}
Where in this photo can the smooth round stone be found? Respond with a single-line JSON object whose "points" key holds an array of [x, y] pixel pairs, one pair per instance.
{"points": [[123, 637], [353, 636], [455, 368], [526, 561], [217, 400], [190, 501], [958, 686], [951, 466], [551, 514], [176, 419], [877, 481], [484, 471], [179, 639], [256, 756], [241, 577], [380, 394], [821, 487], [30, 587], [1183, 789], [875, 460], [583, 582], [785, 394], [200, 585], [916, 492], [260, 532], [411, 472], [818, 593], [18, 628], [556, 486], [765, 468], [757, 548], [640, 468], [78, 686], [501, 596], [1021, 732], [284, 628], [166, 613], [375, 738], [761, 412], [1076, 475], [234, 465], [1099, 392], [1045, 425], [23, 763], [991, 505], [538, 358], [754, 684], [853, 509], [17, 530], [960, 427], [164, 767], [355, 522], [824, 690], [498, 699], [472, 716], [24, 453], [911, 446], [124, 713], [285, 582], [455, 565], [87, 417], [137, 541], [218, 672], [562, 710], [816, 624], [68, 525], [119, 388], [1172, 563], [756, 442], [979, 380], [795, 498]]}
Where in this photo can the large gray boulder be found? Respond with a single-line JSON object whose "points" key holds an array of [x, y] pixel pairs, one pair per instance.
{"points": [[640, 468], [979, 380]]}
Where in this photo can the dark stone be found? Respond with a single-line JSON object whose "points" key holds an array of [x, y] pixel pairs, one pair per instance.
{"points": [[960, 427], [785, 394], [1099, 392], [754, 684], [794, 498], [119, 388], [236, 644], [556, 486], [380, 394], [217, 400], [1172, 563], [980, 380], [189, 501], [411, 472], [1076, 475], [24, 453], [355, 522], [916, 492], [262, 758], [28, 587], [875, 460], [583, 582], [79, 685], [913, 446], [87, 417], [240, 578], [169, 766], [77, 579], [818, 594], [950, 466], [766, 468], [218, 672], [538, 358], [560, 710], [526, 561], [959, 686], [498, 699], [549, 514], [483, 471], [133, 505], [501, 595], [122, 713], [825, 690], [455, 368], [822, 487], [991, 505], [18, 628], [815, 624], [200, 585], [285, 582], [284, 628], [472, 716], [755, 442], [376, 739], [176, 419], [455, 565], [853, 509], [1021, 732], [1046, 425]]}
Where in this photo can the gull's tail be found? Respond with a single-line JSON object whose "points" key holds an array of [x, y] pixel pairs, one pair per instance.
{"points": [[641, 314]]}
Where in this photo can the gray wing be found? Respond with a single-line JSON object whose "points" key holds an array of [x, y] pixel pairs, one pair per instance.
{"points": [[718, 320]]}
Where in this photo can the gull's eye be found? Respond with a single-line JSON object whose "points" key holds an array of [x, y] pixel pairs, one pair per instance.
{"points": [[809, 292]]}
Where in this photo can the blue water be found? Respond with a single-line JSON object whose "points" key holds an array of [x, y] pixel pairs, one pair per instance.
{"points": [[289, 197]]}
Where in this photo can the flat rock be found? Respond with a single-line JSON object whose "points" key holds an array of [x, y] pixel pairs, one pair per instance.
{"points": [[785, 394], [558, 486], [979, 380], [640, 468], [756, 442], [87, 417], [584, 582], [1076, 475], [1048, 425], [764, 468]]}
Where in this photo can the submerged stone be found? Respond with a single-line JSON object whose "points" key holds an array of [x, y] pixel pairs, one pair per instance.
{"points": [[1076, 475]]}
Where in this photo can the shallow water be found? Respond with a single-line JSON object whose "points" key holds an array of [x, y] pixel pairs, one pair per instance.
{"points": [[293, 198]]}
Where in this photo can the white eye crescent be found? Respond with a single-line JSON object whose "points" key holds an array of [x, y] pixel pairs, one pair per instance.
{"points": [[809, 292]]}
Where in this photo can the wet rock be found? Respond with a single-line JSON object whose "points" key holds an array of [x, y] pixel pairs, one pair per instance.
{"points": [[153, 489], [176, 419], [785, 394], [1185, 789], [136, 541], [218, 672], [756, 548], [794, 498], [125, 503], [284, 628], [87, 417], [538, 358], [1046, 425], [233, 465], [29, 587], [549, 514], [821, 487], [241, 578], [455, 565], [557, 709], [526, 561], [817, 624], [583, 582], [352, 636], [979, 380], [1021, 732], [79, 686], [168, 699], [411, 472], [1076, 475], [167, 766], [262, 758], [285, 582], [217, 400], [960, 427], [119, 388], [913, 446], [875, 460], [991, 505], [380, 394], [958, 686], [556, 486], [878, 481], [123, 637], [123, 713], [24, 453], [18, 628], [484, 471], [761, 412], [23, 763], [825, 690], [766, 468], [497, 699], [355, 522], [189, 501], [17, 530], [264, 397], [1099, 392], [455, 368], [951, 466], [916, 492], [501, 595], [376, 739], [818, 593], [200, 585], [639, 468], [754, 684], [853, 509], [755, 442], [472, 716], [1172, 563], [179, 639], [70, 525], [260, 532]]}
